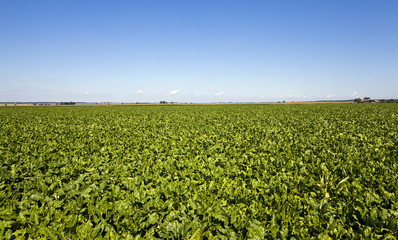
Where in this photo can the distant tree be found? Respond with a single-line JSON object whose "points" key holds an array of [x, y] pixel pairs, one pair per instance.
{"points": [[357, 100], [67, 103]]}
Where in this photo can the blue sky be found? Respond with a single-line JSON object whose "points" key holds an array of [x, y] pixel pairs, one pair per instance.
{"points": [[197, 51]]}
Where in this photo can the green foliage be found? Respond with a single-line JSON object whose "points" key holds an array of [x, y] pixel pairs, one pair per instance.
{"points": [[199, 172], [67, 103]]}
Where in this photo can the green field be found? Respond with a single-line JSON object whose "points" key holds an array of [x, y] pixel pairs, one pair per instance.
{"points": [[325, 171]]}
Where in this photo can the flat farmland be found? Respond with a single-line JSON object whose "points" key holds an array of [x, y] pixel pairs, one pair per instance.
{"points": [[326, 171]]}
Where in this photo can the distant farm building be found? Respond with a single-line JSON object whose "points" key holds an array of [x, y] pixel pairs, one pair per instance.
{"points": [[366, 100]]}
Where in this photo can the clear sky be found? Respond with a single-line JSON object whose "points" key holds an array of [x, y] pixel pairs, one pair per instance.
{"points": [[197, 51]]}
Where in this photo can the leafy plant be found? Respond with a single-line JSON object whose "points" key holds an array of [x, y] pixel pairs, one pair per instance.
{"points": [[199, 172]]}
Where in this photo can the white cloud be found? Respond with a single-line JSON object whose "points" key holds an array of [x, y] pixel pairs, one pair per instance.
{"points": [[86, 93], [219, 94], [140, 92], [354, 94], [330, 96], [174, 92]]}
